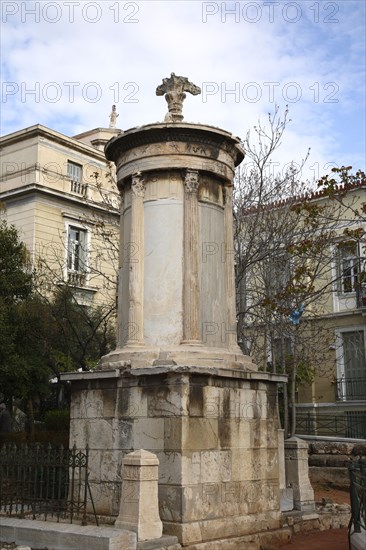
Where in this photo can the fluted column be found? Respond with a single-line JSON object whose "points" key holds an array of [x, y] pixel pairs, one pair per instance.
{"points": [[191, 286], [135, 331], [231, 333]]}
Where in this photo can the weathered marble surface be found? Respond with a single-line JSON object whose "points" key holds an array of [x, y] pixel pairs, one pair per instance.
{"points": [[139, 506], [215, 434], [176, 278], [297, 474]]}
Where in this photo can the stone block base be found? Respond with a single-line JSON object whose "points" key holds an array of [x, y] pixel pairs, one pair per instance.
{"points": [[214, 431], [268, 540], [195, 533]]}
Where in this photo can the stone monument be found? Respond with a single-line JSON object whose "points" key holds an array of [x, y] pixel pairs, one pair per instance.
{"points": [[177, 384]]}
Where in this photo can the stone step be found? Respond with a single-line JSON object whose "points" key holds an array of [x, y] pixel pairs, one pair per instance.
{"points": [[64, 536]]}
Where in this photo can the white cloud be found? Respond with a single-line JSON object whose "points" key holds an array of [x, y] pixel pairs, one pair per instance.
{"points": [[316, 58]]}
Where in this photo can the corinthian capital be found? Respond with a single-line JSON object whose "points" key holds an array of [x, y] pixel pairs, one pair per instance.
{"points": [[138, 185], [191, 181]]}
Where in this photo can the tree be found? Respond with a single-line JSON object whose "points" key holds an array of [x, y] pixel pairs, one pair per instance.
{"points": [[21, 372], [284, 261], [15, 277], [43, 329]]}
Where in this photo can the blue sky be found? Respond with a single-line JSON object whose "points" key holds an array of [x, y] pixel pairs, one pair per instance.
{"points": [[65, 63]]}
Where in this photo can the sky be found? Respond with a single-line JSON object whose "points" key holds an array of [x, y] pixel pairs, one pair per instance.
{"points": [[65, 63]]}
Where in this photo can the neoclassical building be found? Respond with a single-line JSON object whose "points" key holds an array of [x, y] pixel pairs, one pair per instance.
{"points": [[59, 193]]}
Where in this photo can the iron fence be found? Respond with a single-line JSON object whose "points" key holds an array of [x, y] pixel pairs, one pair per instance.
{"points": [[44, 481], [357, 524], [350, 424]]}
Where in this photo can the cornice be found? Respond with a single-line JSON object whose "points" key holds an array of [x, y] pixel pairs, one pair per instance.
{"points": [[40, 131], [190, 134], [34, 189]]}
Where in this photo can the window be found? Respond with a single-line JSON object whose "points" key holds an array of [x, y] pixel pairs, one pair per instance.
{"points": [[76, 252], [74, 171], [348, 266], [278, 274], [352, 363]]}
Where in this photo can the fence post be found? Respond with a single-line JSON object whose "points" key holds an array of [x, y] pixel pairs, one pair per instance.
{"points": [[297, 474], [139, 508], [355, 505]]}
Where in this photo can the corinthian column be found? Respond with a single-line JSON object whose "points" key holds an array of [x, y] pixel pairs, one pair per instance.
{"points": [[231, 334], [191, 287], [135, 333]]}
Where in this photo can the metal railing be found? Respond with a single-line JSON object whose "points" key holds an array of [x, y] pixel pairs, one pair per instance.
{"points": [[44, 481], [350, 424], [357, 524], [351, 389]]}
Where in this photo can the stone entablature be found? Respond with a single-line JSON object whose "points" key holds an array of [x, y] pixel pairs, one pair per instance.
{"points": [[170, 146]]}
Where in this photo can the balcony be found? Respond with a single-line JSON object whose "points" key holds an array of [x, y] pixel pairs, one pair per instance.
{"points": [[78, 188], [76, 278], [351, 389]]}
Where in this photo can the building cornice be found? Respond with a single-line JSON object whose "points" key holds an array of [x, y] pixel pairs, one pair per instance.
{"points": [[40, 131], [34, 189]]}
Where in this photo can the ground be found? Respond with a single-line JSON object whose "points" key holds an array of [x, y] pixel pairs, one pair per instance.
{"points": [[335, 539], [338, 496]]}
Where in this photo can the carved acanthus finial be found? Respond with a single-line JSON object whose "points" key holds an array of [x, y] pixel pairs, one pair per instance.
{"points": [[113, 117], [173, 88]]}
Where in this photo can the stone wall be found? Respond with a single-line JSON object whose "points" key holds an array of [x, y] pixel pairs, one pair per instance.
{"points": [[329, 460]]}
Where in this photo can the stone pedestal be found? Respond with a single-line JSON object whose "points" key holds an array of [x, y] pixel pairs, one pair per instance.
{"points": [[297, 474], [214, 431], [139, 508], [286, 492]]}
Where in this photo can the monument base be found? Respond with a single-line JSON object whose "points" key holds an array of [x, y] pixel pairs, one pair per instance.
{"points": [[192, 355], [214, 431]]}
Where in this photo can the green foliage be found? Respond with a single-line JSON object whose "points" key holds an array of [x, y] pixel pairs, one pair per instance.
{"points": [[21, 369], [76, 336], [342, 181], [42, 335], [15, 279], [57, 420]]}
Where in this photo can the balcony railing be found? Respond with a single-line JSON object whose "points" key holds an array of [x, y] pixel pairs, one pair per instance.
{"points": [[76, 278], [351, 389], [78, 188]]}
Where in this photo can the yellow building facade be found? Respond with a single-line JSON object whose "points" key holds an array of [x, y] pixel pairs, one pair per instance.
{"points": [[58, 191]]}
